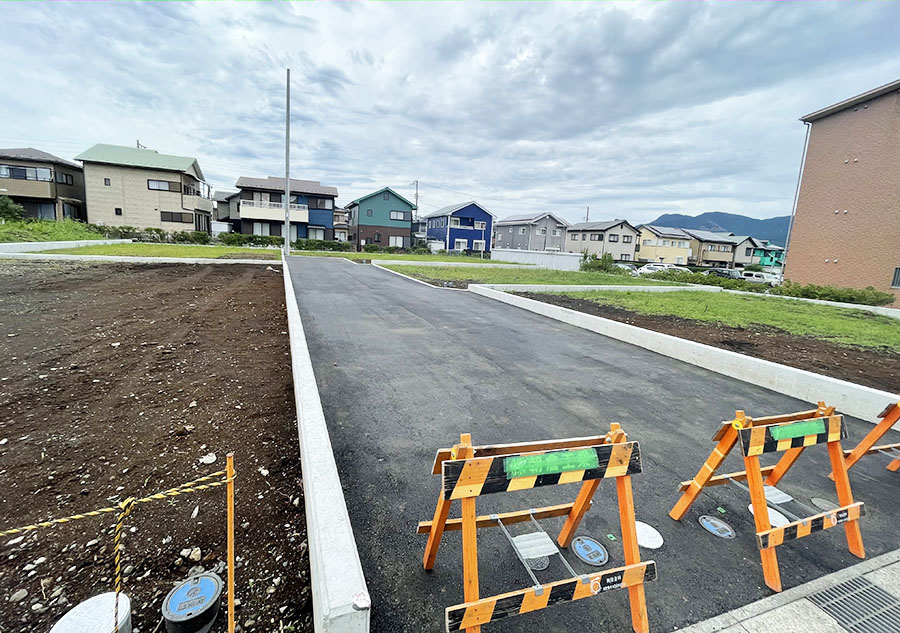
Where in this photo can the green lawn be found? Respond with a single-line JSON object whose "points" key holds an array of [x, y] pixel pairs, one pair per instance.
{"points": [[519, 276], [839, 325], [143, 249], [46, 231], [399, 256]]}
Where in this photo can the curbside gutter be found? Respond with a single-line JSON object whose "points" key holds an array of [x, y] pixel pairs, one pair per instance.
{"points": [[852, 399], [31, 247], [341, 602]]}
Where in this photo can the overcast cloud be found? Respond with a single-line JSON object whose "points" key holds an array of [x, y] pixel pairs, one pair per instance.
{"points": [[635, 109]]}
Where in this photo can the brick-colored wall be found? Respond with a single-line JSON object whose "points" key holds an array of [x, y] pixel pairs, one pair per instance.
{"points": [[846, 230]]}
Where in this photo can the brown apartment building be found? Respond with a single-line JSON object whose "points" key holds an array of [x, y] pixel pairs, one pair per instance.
{"points": [[846, 227]]}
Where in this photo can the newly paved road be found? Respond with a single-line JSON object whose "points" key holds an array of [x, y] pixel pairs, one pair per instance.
{"points": [[404, 368]]}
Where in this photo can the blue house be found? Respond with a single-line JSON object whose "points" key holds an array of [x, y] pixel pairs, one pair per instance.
{"points": [[462, 227]]}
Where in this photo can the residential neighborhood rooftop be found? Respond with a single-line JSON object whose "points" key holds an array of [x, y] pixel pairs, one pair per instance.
{"points": [[134, 157], [297, 186], [29, 153], [852, 101], [666, 231], [530, 218], [597, 226], [455, 207], [382, 190]]}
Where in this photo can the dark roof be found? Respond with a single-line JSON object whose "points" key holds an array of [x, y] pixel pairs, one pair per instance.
{"points": [[530, 218], [598, 226], [719, 237], [277, 184], [135, 157], [451, 209], [666, 231], [223, 196], [382, 190], [29, 153], [852, 101]]}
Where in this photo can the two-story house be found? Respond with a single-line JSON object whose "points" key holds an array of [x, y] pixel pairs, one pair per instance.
{"points": [[531, 232], [770, 255], [711, 248], [341, 225], [617, 237], [127, 186], [48, 187], [464, 227], [663, 244], [383, 218], [258, 208]]}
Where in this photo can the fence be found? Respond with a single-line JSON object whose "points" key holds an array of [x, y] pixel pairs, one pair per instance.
{"points": [[542, 259]]}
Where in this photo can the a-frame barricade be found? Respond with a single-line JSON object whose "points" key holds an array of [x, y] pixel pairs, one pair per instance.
{"points": [[471, 471], [866, 446], [791, 434]]}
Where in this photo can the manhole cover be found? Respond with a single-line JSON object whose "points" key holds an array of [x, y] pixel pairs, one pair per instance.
{"points": [[859, 606], [648, 536], [716, 526], [824, 504], [538, 564], [590, 551], [192, 606], [776, 519]]}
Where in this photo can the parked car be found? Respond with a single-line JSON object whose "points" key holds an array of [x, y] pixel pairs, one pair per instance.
{"points": [[654, 267], [680, 269], [626, 266], [726, 273], [755, 277]]}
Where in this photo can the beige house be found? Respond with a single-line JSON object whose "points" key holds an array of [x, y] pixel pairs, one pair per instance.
{"points": [[126, 186], [709, 248], [663, 244], [617, 237], [48, 187], [846, 227]]}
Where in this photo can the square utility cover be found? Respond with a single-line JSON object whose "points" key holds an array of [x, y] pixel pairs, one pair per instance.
{"points": [[534, 545]]}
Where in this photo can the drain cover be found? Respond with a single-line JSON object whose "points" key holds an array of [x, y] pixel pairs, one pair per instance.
{"points": [[716, 526], [538, 564], [590, 551], [776, 519], [648, 536], [824, 504], [860, 606]]}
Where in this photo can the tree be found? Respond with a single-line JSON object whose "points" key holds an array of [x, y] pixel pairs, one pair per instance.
{"points": [[10, 210]]}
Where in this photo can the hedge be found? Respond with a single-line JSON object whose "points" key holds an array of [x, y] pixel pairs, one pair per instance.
{"points": [[321, 245]]}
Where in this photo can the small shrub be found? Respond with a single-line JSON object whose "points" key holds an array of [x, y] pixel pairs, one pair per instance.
{"points": [[233, 239], [393, 249], [605, 264], [321, 245], [420, 250], [10, 211], [755, 268], [372, 248], [864, 296], [708, 280]]}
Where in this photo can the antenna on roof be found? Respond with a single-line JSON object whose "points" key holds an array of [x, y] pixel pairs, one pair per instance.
{"points": [[138, 144]]}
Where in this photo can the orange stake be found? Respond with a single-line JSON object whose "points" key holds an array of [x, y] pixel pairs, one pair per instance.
{"points": [[639, 620], [845, 497], [229, 487], [889, 417], [761, 519]]}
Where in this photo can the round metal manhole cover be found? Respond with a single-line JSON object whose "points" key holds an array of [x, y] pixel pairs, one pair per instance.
{"points": [[824, 504], [776, 519], [590, 551], [192, 606], [538, 564], [648, 536], [716, 526]]}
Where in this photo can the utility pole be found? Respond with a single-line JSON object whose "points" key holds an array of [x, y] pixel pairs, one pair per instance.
{"points": [[287, 166], [587, 213]]}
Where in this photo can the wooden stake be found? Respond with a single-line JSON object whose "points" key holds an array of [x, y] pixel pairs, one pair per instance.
{"points": [[469, 535], [712, 463], [890, 418], [229, 487], [582, 505]]}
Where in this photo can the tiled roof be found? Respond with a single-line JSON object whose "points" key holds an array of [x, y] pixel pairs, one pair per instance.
{"points": [[382, 190], [450, 209], [36, 155], [277, 184], [530, 218], [597, 226], [667, 231]]}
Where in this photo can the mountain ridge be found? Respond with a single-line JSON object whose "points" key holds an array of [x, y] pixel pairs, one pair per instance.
{"points": [[773, 229]]}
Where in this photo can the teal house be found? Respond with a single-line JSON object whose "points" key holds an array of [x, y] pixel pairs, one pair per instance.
{"points": [[770, 255], [383, 218]]}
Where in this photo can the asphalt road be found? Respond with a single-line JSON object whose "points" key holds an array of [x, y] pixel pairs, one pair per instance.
{"points": [[403, 369]]}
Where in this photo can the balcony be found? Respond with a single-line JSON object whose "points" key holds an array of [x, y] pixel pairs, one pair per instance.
{"points": [[272, 211], [341, 220]]}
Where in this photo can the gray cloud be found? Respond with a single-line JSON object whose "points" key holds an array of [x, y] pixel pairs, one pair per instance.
{"points": [[632, 109]]}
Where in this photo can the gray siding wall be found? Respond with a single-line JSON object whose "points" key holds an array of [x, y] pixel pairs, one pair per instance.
{"points": [[511, 236]]}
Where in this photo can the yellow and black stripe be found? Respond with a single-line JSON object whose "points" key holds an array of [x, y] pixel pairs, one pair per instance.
{"points": [[486, 610], [463, 478], [817, 523], [760, 439]]}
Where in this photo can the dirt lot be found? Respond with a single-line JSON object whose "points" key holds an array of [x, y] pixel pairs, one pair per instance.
{"points": [[115, 380], [872, 368]]}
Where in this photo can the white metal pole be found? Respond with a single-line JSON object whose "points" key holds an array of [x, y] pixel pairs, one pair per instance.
{"points": [[287, 165]]}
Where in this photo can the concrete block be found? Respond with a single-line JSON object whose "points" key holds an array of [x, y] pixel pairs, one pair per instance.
{"points": [[32, 247], [800, 616]]}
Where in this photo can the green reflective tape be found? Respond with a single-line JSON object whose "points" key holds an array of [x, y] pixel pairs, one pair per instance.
{"points": [[798, 429], [550, 463]]}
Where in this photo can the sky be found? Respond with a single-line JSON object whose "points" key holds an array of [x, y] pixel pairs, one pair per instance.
{"points": [[631, 108]]}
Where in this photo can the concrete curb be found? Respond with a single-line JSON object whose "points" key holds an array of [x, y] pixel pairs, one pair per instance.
{"points": [[136, 260], [852, 399], [418, 281], [31, 247], [340, 597], [404, 262], [565, 288], [788, 596]]}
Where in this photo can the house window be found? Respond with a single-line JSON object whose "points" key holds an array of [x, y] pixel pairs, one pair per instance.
{"points": [[626, 239], [480, 226], [460, 245], [542, 231], [369, 212], [261, 228], [614, 237], [397, 215], [648, 243], [626, 257], [896, 282], [711, 247], [477, 245], [159, 185], [679, 260], [748, 252], [184, 218], [510, 229], [682, 244], [118, 211], [454, 221], [316, 234], [575, 237], [377, 237], [555, 233], [64, 179], [106, 182], [522, 230], [386, 196], [665, 242], [396, 240], [596, 237], [725, 249]]}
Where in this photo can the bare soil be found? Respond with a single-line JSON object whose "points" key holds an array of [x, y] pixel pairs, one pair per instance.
{"points": [[114, 381], [873, 368]]}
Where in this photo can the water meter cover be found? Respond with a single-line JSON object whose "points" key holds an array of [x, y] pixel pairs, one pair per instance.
{"points": [[716, 526], [590, 551], [192, 606]]}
